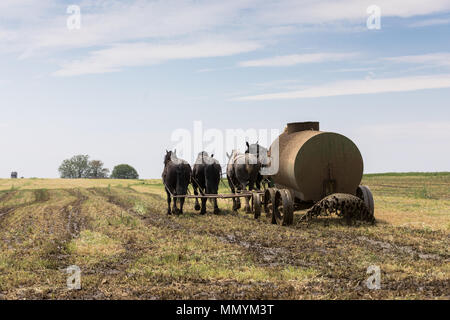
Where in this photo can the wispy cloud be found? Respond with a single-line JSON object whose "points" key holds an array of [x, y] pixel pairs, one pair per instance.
{"points": [[436, 59], [290, 60], [109, 21], [144, 54], [29, 27], [354, 69], [328, 11], [206, 70], [430, 22], [41, 24], [356, 87]]}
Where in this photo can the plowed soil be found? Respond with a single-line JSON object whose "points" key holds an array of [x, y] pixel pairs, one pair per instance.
{"points": [[127, 247]]}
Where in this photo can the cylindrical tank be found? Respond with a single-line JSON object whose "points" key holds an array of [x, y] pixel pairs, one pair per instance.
{"points": [[314, 164]]}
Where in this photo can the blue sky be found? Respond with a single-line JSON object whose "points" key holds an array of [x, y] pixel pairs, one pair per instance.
{"points": [[136, 71]]}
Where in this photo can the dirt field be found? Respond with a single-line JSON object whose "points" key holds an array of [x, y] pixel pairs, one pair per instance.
{"points": [[126, 246]]}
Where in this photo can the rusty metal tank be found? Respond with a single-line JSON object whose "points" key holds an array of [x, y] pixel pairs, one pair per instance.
{"points": [[314, 164]]}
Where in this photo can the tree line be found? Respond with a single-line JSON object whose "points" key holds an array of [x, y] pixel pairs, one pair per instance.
{"points": [[80, 167]]}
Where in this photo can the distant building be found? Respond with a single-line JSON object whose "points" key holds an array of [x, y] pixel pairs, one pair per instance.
{"points": [[14, 175]]}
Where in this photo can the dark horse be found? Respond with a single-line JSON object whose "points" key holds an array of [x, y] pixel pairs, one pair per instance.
{"points": [[242, 171], [206, 176], [176, 178], [263, 160]]}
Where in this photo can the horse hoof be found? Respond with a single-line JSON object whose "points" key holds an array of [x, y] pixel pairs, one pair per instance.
{"points": [[169, 212], [248, 210], [203, 212], [197, 207], [216, 210]]}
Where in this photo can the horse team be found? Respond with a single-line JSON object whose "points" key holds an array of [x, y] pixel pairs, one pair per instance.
{"points": [[243, 171]]}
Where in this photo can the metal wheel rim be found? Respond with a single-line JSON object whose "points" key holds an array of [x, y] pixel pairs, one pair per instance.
{"points": [[269, 198], [256, 205], [365, 194], [283, 199], [288, 208], [276, 214]]}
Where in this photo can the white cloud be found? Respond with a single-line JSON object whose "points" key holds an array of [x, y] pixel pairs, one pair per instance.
{"points": [[430, 22], [290, 60], [328, 11], [30, 27], [144, 54], [354, 69], [103, 23], [42, 24], [24, 10], [354, 87], [437, 59]]}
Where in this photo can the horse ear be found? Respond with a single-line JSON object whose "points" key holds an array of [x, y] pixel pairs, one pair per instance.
{"points": [[167, 151], [212, 156], [229, 157], [246, 142], [174, 151]]}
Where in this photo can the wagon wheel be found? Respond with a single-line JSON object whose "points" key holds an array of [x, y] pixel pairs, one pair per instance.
{"points": [[289, 207], [269, 199], [256, 205], [283, 209], [364, 193]]}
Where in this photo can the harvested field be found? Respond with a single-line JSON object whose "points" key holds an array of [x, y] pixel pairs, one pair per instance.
{"points": [[127, 247]]}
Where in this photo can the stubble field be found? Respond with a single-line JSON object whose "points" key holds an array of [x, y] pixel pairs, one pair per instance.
{"points": [[127, 247]]}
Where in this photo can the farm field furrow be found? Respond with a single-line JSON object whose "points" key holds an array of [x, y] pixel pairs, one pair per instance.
{"points": [[126, 246]]}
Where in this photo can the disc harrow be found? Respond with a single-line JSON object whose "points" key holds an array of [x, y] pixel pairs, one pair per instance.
{"points": [[343, 205]]}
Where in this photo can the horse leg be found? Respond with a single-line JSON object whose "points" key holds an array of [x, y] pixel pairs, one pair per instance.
{"points": [[238, 200], [232, 191], [216, 207], [175, 208], [197, 205], [247, 199], [181, 205], [258, 183], [168, 201], [203, 211], [212, 190]]}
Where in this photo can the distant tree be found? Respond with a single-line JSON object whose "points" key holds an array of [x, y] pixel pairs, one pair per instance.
{"points": [[75, 168], [96, 170], [79, 167], [124, 171]]}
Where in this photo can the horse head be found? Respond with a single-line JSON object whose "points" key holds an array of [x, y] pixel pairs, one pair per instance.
{"points": [[201, 157], [167, 157], [259, 151]]}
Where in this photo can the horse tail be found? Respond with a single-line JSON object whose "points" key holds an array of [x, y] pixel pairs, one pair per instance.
{"points": [[250, 164], [249, 168], [182, 180]]}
